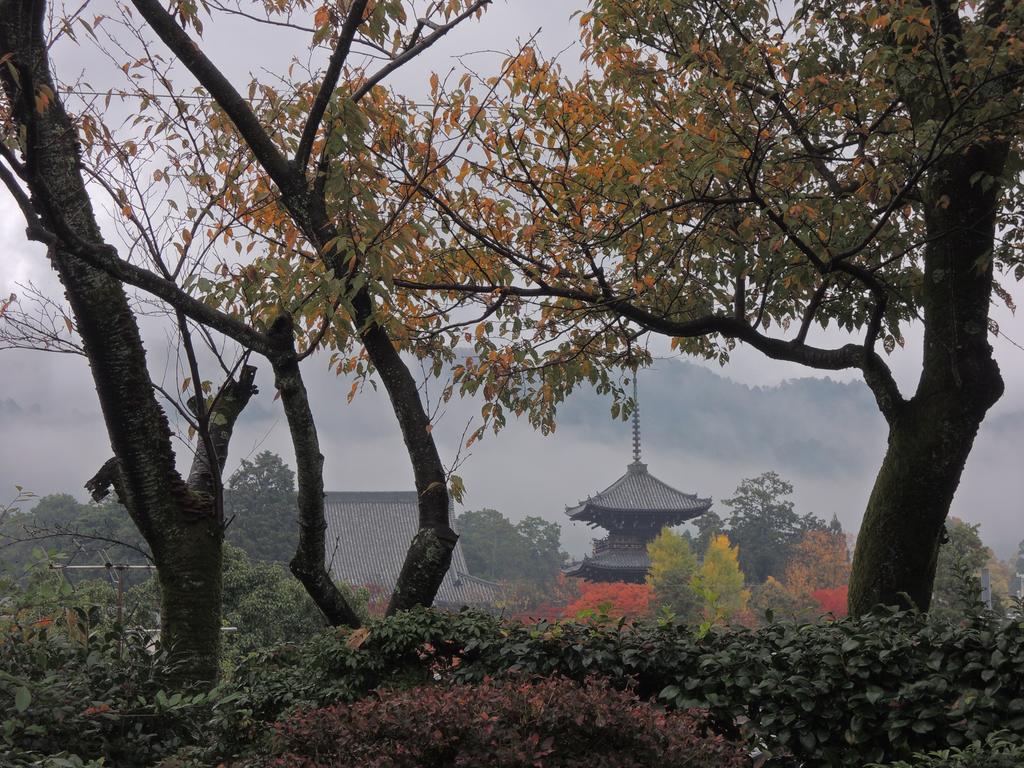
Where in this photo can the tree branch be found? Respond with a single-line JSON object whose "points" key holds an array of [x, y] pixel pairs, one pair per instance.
{"points": [[211, 78], [330, 81], [106, 478], [105, 258], [810, 311], [311, 553], [228, 405], [416, 49]]}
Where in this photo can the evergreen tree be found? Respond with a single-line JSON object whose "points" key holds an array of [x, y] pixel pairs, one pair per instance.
{"points": [[495, 549], [708, 526], [957, 588], [765, 526], [1017, 577], [260, 509]]}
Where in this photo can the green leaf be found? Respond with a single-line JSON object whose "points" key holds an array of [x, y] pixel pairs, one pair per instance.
{"points": [[22, 698]]}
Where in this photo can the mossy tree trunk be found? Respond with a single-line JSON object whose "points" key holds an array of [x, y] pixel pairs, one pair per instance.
{"points": [[931, 435], [180, 522]]}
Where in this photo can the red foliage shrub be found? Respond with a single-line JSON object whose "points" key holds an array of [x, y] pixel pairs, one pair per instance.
{"points": [[546, 600], [614, 598], [832, 600], [554, 723]]}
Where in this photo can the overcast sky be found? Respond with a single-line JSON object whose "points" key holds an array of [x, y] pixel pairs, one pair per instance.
{"points": [[53, 437]]}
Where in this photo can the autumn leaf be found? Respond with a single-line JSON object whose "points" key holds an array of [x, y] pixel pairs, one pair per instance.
{"points": [[44, 94], [357, 638]]}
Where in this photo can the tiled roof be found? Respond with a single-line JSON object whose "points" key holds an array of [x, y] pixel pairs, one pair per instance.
{"points": [[638, 491], [612, 565], [368, 535], [617, 559]]}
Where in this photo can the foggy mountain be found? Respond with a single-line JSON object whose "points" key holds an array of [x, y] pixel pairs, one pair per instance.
{"points": [[807, 425], [702, 433]]}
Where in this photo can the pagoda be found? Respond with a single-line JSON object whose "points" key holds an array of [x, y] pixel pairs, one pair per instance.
{"points": [[633, 510]]}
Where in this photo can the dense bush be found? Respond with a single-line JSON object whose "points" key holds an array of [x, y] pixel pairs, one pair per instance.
{"points": [[76, 689], [554, 723], [68, 691], [998, 752], [844, 693]]}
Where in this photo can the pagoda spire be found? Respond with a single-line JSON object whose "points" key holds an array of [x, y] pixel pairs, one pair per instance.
{"points": [[636, 423]]}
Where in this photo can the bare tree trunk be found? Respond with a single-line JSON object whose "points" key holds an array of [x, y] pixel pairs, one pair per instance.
{"points": [[308, 564], [430, 552]]}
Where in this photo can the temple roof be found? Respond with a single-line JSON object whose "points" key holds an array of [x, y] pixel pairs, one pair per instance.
{"points": [[612, 565], [368, 534], [641, 493]]}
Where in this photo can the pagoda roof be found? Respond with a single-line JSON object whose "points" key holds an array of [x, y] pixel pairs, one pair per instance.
{"points": [[638, 492], [611, 565], [368, 536]]}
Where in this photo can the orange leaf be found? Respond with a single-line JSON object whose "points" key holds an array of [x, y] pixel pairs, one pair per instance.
{"points": [[43, 96], [357, 638]]}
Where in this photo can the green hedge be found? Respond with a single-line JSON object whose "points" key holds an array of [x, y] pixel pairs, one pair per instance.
{"points": [[855, 691], [843, 694], [998, 751]]}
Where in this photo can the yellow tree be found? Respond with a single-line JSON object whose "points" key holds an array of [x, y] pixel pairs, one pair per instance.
{"points": [[720, 582], [671, 573]]}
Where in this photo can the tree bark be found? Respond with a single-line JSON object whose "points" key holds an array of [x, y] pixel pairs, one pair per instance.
{"points": [[931, 435], [309, 563], [898, 544], [226, 408], [430, 553], [179, 524]]}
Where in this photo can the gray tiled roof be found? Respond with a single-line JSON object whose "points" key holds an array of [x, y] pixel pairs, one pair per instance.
{"points": [[611, 565], [640, 492], [368, 534], [617, 559]]}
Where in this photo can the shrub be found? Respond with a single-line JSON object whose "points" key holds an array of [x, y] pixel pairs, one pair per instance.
{"points": [[998, 752], [832, 600], [840, 694], [614, 599], [552, 723], [70, 694]]}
